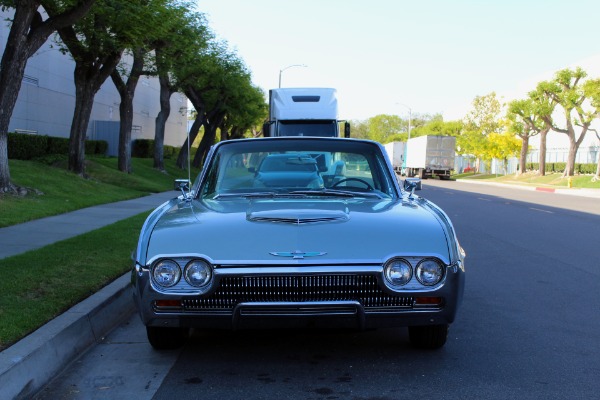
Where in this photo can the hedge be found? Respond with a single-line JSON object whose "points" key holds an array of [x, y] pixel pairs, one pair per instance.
{"points": [[22, 146], [144, 148], [558, 167]]}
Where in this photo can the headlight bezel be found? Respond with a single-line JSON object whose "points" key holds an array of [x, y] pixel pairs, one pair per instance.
{"points": [[176, 271], [207, 269], [387, 273], [419, 272]]}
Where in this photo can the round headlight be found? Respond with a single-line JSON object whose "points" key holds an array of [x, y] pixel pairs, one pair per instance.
{"points": [[398, 272], [166, 273], [429, 272], [198, 273]]}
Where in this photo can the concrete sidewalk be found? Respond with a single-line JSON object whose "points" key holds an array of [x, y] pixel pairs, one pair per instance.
{"points": [[35, 234], [27, 366]]}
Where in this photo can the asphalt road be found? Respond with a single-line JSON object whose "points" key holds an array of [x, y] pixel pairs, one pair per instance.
{"points": [[529, 326]]}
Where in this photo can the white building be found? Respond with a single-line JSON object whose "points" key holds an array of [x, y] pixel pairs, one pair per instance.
{"points": [[47, 100]]}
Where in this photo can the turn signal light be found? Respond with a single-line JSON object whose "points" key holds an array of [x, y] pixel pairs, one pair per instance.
{"points": [[429, 301], [167, 303]]}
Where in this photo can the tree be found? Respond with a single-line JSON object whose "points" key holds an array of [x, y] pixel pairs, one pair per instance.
{"points": [[28, 32], [524, 122], [153, 24], [383, 127], [186, 37], [592, 92], [96, 43], [482, 120], [501, 146], [567, 90]]}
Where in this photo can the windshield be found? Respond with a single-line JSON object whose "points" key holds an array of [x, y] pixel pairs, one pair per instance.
{"points": [[307, 128], [299, 167]]}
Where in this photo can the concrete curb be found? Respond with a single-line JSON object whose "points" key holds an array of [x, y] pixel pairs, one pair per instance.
{"points": [[27, 366]]}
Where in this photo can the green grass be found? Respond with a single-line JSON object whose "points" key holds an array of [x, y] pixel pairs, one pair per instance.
{"points": [[64, 191], [41, 284], [531, 179]]}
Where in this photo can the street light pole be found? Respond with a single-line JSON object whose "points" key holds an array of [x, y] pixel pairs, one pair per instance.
{"points": [[409, 128], [289, 66]]}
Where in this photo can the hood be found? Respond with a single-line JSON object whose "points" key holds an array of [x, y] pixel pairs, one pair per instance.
{"points": [[280, 231]]}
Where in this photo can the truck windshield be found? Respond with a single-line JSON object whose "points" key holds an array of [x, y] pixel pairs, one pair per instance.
{"points": [[326, 128]]}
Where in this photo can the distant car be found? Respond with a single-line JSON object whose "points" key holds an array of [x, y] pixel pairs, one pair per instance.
{"points": [[288, 170], [245, 247]]}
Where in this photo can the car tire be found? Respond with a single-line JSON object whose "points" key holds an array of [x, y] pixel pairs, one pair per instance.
{"points": [[429, 336], [162, 338]]}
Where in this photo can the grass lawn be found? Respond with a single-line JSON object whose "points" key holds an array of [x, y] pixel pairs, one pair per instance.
{"points": [[64, 191], [41, 284], [531, 179]]}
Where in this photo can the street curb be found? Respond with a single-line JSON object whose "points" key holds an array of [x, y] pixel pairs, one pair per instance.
{"points": [[30, 364]]}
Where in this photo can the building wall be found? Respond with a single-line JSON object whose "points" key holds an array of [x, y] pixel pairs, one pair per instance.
{"points": [[46, 101]]}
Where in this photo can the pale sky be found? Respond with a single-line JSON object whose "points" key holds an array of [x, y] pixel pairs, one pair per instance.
{"points": [[432, 56]]}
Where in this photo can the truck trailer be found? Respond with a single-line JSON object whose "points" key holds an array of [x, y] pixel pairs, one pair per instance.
{"points": [[395, 152], [303, 112], [429, 156]]}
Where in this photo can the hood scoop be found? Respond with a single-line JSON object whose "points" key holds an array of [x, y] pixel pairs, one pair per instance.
{"points": [[298, 217]]}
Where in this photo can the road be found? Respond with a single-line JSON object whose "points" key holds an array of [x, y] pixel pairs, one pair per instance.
{"points": [[529, 326]]}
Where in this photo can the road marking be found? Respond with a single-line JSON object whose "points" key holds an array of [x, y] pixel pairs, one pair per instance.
{"points": [[481, 198], [540, 210]]}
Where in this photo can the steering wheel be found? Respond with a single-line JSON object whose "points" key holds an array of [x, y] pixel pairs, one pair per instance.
{"points": [[367, 184]]}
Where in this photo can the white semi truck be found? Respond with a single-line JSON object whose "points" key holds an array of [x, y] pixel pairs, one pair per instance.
{"points": [[396, 154], [429, 156], [303, 112]]}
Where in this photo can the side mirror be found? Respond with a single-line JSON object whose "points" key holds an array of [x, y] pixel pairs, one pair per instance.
{"points": [[266, 129], [182, 185], [411, 184], [346, 129]]}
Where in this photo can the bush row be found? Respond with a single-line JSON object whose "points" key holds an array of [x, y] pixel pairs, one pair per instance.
{"points": [[22, 146], [144, 148], [558, 167]]}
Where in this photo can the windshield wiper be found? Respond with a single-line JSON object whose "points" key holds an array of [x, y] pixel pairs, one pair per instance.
{"points": [[335, 193], [245, 195]]}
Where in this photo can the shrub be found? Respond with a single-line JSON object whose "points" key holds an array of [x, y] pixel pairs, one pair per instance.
{"points": [[142, 148], [22, 146]]}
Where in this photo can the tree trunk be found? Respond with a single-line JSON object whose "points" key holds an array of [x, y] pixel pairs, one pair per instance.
{"points": [[210, 133], [90, 74], [27, 34], [542, 155], [182, 158], [570, 167], [84, 100], [161, 121], [12, 69], [127, 92], [208, 139], [523, 155]]}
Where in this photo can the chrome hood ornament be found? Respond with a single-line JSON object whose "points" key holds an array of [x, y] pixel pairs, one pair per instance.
{"points": [[297, 255]]}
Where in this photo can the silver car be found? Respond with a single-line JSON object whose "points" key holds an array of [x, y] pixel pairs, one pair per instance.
{"points": [[355, 251]]}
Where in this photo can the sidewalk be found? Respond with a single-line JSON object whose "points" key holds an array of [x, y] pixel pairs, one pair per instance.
{"points": [[35, 234], [594, 193], [27, 366]]}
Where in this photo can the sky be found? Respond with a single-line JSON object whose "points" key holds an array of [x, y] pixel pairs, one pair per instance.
{"points": [[426, 56]]}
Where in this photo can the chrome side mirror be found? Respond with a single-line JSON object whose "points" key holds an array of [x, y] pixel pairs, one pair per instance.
{"points": [[412, 184]]}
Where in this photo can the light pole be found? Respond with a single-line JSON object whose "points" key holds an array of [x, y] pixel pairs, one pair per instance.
{"points": [[409, 127], [289, 66]]}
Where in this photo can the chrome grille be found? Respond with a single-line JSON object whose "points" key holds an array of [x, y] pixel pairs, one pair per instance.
{"points": [[310, 288]]}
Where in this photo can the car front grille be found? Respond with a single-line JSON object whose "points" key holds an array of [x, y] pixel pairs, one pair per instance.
{"points": [[298, 289]]}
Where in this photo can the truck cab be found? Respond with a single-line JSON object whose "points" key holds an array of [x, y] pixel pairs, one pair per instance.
{"points": [[303, 112]]}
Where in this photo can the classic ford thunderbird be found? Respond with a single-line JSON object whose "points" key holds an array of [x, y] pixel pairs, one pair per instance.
{"points": [[298, 232]]}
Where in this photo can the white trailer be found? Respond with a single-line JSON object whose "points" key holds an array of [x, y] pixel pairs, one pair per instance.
{"points": [[395, 152], [429, 156], [303, 112]]}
